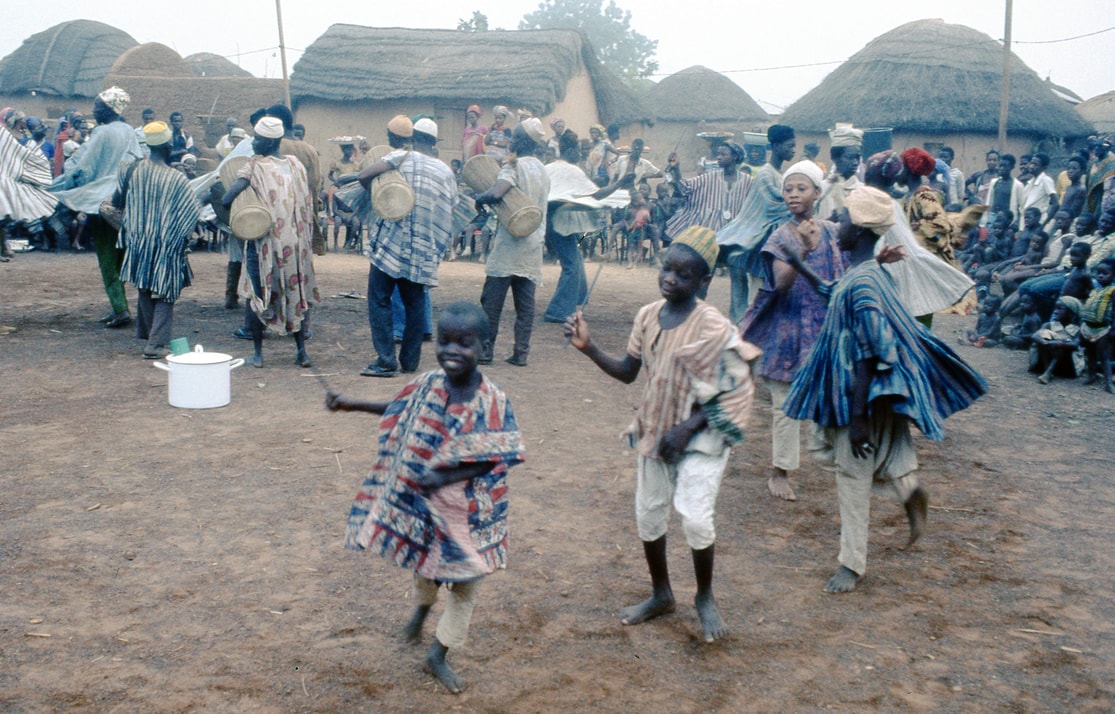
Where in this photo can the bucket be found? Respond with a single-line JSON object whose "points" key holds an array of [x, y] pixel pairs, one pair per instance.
{"points": [[515, 210], [199, 379], [249, 216]]}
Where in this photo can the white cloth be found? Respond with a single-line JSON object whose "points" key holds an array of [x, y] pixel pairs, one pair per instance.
{"points": [[568, 183], [1037, 193], [785, 433], [926, 283], [691, 486]]}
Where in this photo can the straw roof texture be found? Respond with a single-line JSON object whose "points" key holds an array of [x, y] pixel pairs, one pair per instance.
{"points": [[932, 77], [207, 64], [701, 94], [1100, 111], [531, 68], [151, 59], [70, 59]]}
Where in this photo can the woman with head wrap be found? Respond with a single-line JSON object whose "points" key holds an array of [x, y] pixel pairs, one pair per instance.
{"points": [[598, 155], [787, 313], [926, 282], [280, 283], [472, 141], [498, 140]]}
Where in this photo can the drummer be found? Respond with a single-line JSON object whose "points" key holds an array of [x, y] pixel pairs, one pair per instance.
{"points": [[406, 253]]}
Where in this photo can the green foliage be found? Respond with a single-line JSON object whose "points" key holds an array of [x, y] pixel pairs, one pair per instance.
{"points": [[477, 23], [608, 29]]}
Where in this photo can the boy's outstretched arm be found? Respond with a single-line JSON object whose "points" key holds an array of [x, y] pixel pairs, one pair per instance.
{"points": [[340, 403], [625, 369], [443, 476]]}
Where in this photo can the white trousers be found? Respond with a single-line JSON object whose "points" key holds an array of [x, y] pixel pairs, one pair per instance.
{"points": [[452, 627], [690, 486]]}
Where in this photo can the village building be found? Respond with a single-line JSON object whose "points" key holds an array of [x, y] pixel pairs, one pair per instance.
{"points": [[353, 79], [1100, 111], [937, 84]]}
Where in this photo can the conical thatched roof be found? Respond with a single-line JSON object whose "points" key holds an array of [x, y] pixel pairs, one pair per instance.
{"points": [[69, 59], [151, 59], [932, 77], [699, 93], [207, 64], [1100, 111], [530, 68]]}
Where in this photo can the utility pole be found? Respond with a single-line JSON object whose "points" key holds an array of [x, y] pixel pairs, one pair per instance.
{"points": [[1004, 89], [282, 55]]}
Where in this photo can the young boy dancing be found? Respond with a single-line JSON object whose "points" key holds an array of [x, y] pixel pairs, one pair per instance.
{"points": [[695, 406], [874, 369], [436, 500]]}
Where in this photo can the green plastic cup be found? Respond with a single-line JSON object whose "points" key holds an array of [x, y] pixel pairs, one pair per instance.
{"points": [[179, 346]]}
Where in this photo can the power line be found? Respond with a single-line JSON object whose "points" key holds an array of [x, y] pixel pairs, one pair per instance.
{"points": [[1064, 39]]}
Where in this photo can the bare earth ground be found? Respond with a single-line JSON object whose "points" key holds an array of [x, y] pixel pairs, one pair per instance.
{"points": [[158, 559]]}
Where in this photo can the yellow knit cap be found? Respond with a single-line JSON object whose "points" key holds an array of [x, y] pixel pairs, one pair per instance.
{"points": [[156, 133], [702, 240]]}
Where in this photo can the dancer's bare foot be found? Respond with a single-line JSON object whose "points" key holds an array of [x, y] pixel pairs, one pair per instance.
{"points": [[436, 665], [1045, 377], [712, 627], [779, 485], [917, 511], [844, 581], [648, 609], [413, 630]]}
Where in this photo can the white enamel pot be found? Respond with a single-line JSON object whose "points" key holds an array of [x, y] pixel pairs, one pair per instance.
{"points": [[199, 379]]}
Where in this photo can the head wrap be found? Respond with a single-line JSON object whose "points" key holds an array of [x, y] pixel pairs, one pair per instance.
{"points": [[474, 108], [918, 161], [778, 133], [269, 128], [554, 121], [1071, 303], [703, 241], [34, 123], [156, 133], [499, 109], [846, 135], [12, 117], [885, 166], [806, 168], [426, 126], [401, 125], [237, 133], [533, 128], [115, 99], [600, 128], [738, 152], [870, 208]]}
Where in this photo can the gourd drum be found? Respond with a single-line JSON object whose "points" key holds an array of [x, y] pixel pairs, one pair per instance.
{"points": [[249, 217], [515, 210], [392, 196]]}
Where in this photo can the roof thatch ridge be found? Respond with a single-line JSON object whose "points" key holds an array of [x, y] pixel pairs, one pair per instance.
{"points": [[151, 59], [929, 76], [68, 59], [529, 68], [209, 64], [698, 93]]}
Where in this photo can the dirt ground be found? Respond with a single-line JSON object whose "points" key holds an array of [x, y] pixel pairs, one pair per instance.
{"points": [[159, 559]]}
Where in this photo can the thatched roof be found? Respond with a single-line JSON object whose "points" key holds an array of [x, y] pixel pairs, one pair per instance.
{"points": [[207, 64], [70, 59], [701, 94], [1100, 111], [151, 59], [928, 76], [529, 68]]}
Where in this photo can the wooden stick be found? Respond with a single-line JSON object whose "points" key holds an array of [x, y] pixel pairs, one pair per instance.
{"points": [[569, 339], [1041, 632]]}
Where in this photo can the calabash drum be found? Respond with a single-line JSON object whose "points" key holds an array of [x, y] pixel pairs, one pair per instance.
{"points": [[515, 210], [392, 196], [249, 216]]}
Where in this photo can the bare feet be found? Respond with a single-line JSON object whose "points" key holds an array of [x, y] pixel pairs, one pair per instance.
{"points": [[648, 609], [844, 581], [712, 627], [917, 511], [779, 485], [1045, 377], [413, 629], [436, 665]]}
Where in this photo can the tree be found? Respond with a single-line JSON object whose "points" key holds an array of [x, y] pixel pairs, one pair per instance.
{"points": [[478, 23], [608, 29]]}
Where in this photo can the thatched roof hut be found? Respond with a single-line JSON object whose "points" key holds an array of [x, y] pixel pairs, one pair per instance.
{"points": [[1100, 111], [70, 59], [207, 64], [701, 94], [930, 77], [524, 68], [150, 59]]}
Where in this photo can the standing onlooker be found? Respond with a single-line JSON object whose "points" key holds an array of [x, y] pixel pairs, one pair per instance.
{"points": [[1039, 191], [516, 263], [226, 143], [160, 210], [405, 254], [1004, 193], [955, 195], [181, 143], [979, 183], [498, 139], [472, 141], [91, 180]]}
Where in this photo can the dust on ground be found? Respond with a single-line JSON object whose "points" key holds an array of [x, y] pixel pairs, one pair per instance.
{"points": [[159, 559]]}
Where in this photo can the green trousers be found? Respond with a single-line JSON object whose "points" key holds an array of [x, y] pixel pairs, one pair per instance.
{"points": [[109, 259]]}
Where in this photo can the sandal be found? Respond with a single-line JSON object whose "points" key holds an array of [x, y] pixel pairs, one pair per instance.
{"points": [[374, 370]]}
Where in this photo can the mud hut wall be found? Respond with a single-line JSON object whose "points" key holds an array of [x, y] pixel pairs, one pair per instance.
{"points": [[47, 106], [325, 119]]}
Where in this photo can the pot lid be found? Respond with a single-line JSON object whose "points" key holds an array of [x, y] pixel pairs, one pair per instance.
{"points": [[199, 356]]}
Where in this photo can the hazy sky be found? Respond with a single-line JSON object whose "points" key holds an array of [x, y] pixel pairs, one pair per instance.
{"points": [[757, 44]]}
